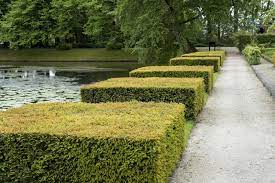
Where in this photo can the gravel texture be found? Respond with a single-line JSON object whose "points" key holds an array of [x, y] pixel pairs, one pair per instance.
{"points": [[234, 140]]}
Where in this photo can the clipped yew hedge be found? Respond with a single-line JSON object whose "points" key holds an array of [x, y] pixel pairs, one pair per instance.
{"points": [[189, 91], [196, 61], [79, 142], [219, 54], [205, 72]]}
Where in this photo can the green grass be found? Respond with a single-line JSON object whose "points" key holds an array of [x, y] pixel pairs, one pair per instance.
{"points": [[215, 77], [268, 53], [51, 55], [189, 125]]}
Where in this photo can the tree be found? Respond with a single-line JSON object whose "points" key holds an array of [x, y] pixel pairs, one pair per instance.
{"points": [[4, 7], [269, 21], [69, 17], [155, 28], [102, 22], [27, 24]]}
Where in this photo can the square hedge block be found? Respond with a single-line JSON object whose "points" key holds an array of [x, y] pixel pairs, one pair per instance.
{"points": [[188, 91], [80, 142], [197, 61], [205, 72]]}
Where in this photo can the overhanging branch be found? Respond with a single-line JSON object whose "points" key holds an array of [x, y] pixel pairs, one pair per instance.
{"points": [[190, 19]]}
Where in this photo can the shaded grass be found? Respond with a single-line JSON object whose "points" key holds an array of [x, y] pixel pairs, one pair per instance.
{"points": [[267, 53], [189, 125], [215, 77], [52, 55]]}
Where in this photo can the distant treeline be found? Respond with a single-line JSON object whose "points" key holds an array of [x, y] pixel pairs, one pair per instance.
{"points": [[60, 23], [156, 29]]}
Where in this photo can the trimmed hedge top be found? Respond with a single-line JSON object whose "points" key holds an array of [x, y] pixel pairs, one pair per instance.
{"points": [[172, 69], [154, 82], [205, 72], [115, 120], [196, 61]]}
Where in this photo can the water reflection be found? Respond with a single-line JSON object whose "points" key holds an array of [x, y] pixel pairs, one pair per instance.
{"points": [[30, 84]]}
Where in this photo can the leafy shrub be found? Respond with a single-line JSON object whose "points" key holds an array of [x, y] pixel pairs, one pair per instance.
{"points": [[189, 91], [252, 54], [205, 72], [195, 61], [220, 54], [242, 39], [265, 38], [78, 142], [114, 45], [64, 46]]}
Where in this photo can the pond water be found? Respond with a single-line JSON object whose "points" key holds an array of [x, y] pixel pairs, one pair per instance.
{"points": [[23, 83]]}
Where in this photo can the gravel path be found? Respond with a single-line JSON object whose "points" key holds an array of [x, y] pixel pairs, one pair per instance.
{"points": [[234, 140]]}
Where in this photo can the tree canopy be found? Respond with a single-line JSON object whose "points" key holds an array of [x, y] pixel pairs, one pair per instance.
{"points": [[156, 29]]}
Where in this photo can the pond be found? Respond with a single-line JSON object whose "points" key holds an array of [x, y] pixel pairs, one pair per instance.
{"points": [[25, 83]]}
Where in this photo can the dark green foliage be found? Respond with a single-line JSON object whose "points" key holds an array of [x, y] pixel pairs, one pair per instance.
{"points": [[157, 29], [114, 45], [265, 38], [107, 156], [242, 39], [205, 72], [195, 61], [189, 91], [27, 24], [51, 23], [64, 46], [4, 7]]}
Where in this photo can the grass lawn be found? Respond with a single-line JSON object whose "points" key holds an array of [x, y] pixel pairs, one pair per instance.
{"points": [[268, 52], [51, 55], [189, 125]]}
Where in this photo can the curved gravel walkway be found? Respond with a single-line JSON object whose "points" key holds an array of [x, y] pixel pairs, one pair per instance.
{"points": [[234, 140]]}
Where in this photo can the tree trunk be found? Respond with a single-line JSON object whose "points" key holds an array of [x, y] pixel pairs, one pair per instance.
{"points": [[219, 32], [236, 17]]}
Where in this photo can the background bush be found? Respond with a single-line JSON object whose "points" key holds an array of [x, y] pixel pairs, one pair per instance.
{"points": [[189, 91], [252, 54], [196, 61], [265, 38], [78, 142], [243, 39], [64, 46], [205, 72]]}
